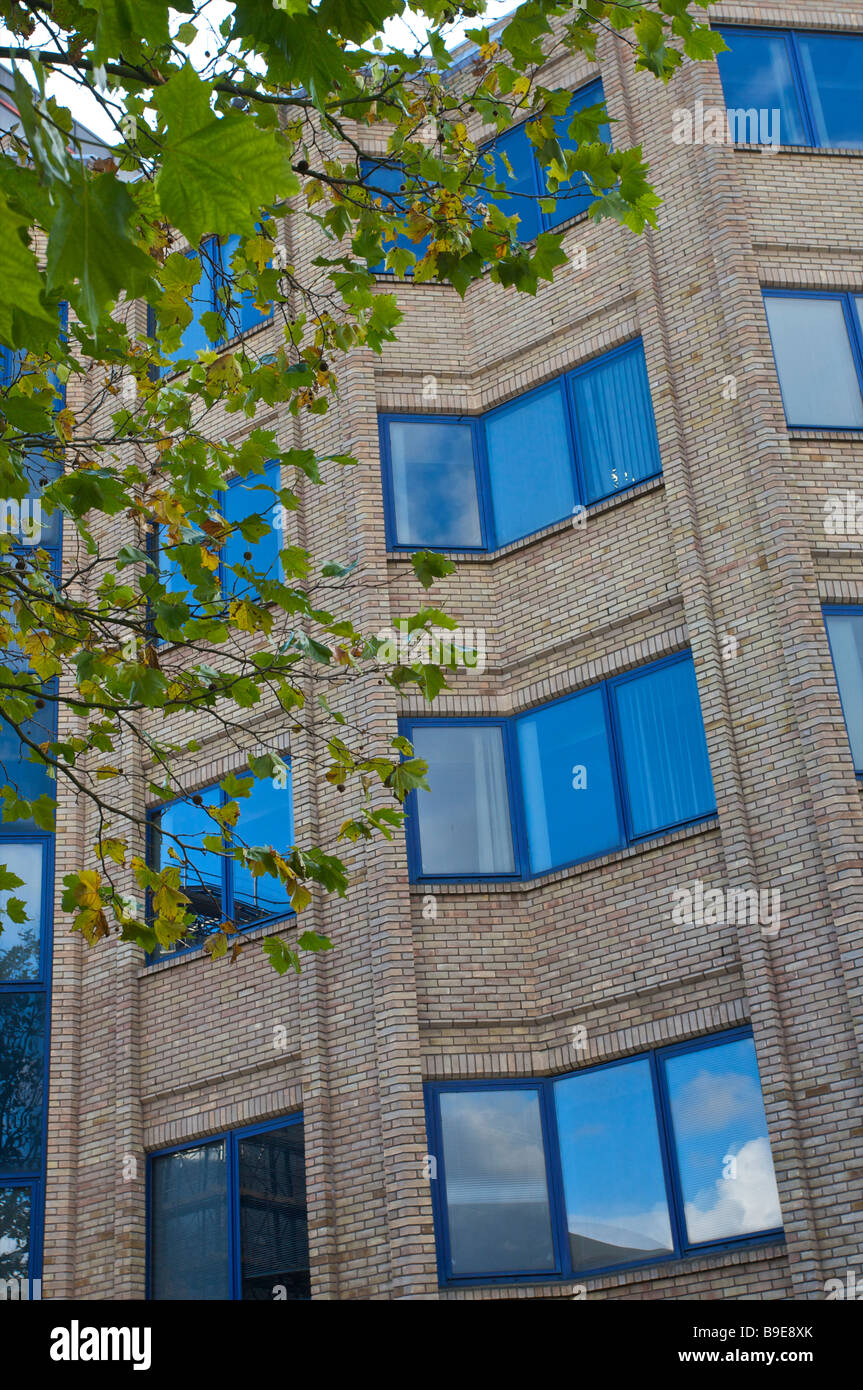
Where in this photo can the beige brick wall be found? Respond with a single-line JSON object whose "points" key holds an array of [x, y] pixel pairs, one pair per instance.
{"points": [[730, 542]]}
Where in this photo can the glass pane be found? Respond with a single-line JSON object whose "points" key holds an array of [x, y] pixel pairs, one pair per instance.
{"points": [[757, 76], [266, 818], [30, 779], [239, 308], [568, 781], [194, 339], [274, 1241], [720, 1135], [434, 483], [814, 362], [496, 1187], [614, 1187], [15, 1207], [464, 820], [243, 499], [846, 645], [665, 762], [575, 197], [22, 1030], [529, 464], [521, 184], [389, 179], [614, 423], [26, 520], [20, 941], [200, 871], [833, 69], [189, 1225]]}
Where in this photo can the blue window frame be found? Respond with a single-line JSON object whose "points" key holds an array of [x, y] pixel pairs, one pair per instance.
{"points": [[479, 482], [21, 1238], [227, 1217], [526, 183], [535, 1179], [241, 499], [214, 293], [608, 766], [386, 179], [814, 80], [219, 887], [817, 340], [845, 635]]}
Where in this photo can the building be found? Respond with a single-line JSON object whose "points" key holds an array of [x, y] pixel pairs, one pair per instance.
{"points": [[595, 1029]]}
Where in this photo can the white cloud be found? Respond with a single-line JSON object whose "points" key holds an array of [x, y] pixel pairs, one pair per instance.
{"points": [[736, 1206]]}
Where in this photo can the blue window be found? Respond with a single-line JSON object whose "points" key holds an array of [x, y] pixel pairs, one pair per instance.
{"points": [[818, 346], [526, 183], [562, 783], [387, 181], [536, 1179], [479, 483], [22, 1080], [18, 768], [845, 632], [814, 81], [666, 769], [228, 1217], [243, 498], [466, 829], [22, 944], [214, 293], [219, 887], [18, 1234]]}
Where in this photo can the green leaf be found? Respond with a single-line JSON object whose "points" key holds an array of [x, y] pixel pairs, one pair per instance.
{"points": [[90, 246], [25, 321], [429, 566], [216, 172]]}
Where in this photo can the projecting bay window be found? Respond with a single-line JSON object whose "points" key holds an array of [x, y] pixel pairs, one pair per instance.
{"points": [[568, 781], [539, 1179], [478, 483], [228, 1218]]}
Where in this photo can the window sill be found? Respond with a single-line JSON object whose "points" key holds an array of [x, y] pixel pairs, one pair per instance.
{"points": [[556, 528], [832, 432], [733, 1257], [187, 953], [528, 885], [390, 277], [833, 151]]}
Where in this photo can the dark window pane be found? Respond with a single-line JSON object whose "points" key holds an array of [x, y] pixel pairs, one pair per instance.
{"points": [[723, 1150], [15, 1212], [614, 423], [833, 72], [243, 499], [846, 646], [189, 1225], [521, 184], [664, 750], [30, 779], [434, 483], [20, 941], [616, 1204], [757, 75], [26, 520], [273, 1225], [266, 818], [464, 821], [201, 872], [529, 464], [22, 1035], [814, 361], [496, 1187], [568, 780]]}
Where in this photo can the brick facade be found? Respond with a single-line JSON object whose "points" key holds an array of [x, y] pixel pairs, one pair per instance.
{"points": [[730, 542]]}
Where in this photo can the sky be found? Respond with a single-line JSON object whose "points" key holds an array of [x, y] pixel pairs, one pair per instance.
{"points": [[85, 108]]}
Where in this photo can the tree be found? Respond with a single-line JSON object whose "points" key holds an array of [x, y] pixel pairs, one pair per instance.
{"points": [[220, 134]]}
